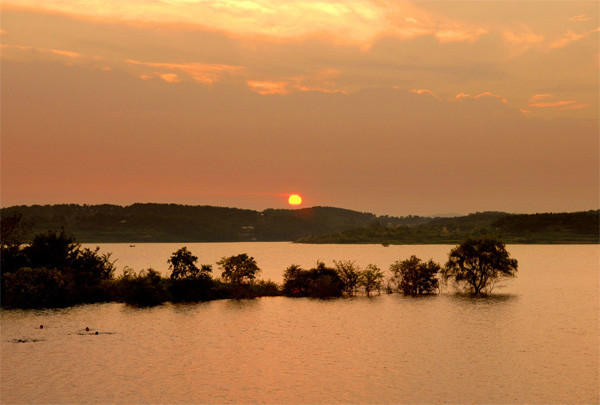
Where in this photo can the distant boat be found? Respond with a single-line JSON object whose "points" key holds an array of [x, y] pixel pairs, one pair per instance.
{"points": [[131, 245]]}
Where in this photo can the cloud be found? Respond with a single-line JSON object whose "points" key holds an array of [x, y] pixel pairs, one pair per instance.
{"points": [[18, 51], [358, 22], [167, 77], [459, 35], [575, 106], [571, 36], [579, 18], [560, 103], [426, 92], [461, 96], [536, 97], [68, 54], [267, 87], [464, 48], [486, 94], [521, 36], [200, 72], [322, 81]]}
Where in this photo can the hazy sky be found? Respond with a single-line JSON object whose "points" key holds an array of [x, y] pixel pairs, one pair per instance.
{"points": [[382, 106]]}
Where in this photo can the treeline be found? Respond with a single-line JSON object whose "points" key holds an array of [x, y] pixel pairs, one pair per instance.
{"points": [[184, 223], [576, 227], [54, 271]]}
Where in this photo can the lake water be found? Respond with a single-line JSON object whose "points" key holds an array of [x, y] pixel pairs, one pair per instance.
{"points": [[535, 341]]}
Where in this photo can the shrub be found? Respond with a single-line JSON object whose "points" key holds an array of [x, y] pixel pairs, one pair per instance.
{"points": [[319, 282], [146, 288], [34, 288], [191, 289]]}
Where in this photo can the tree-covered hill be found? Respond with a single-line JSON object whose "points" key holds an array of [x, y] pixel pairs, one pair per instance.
{"points": [[576, 227], [184, 223]]}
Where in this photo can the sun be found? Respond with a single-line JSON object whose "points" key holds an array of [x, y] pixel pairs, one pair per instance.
{"points": [[295, 199]]}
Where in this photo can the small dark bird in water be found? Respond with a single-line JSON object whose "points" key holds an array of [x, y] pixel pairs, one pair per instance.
{"points": [[41, 326], [96, 333], [87, 329]]}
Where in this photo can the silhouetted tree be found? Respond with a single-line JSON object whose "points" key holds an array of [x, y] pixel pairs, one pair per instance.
{"points": [[182, 264], [14, 230], [81, 272], [371, 278], [238, 270], [414, 277], [326, 282], [349, 274], [477, 264], [188, 282], [52, 250]]}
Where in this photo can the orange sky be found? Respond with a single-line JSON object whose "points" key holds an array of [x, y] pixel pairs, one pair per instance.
{"points": [[382, 106]]}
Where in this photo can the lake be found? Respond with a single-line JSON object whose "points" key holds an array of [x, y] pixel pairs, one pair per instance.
{"points": [[536, 340]]}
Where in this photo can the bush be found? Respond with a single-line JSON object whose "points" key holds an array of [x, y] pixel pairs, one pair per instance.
{"points": [[34, 288], [191, 289], [144, 289], [265, 289], [319, 282]]}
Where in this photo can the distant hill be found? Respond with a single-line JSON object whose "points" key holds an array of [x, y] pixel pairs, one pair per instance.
{"points": [[576, 227], [184, 223]]}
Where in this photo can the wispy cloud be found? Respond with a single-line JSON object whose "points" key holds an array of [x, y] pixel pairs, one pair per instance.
{"points": [[522, 35], [41, 51], [268, 87], [459, 35], [322, 81], [560, 103], [200, 72], [536, 97], [486, 94], [425, 92], [461, 96], [571, 36], [579, 18]]}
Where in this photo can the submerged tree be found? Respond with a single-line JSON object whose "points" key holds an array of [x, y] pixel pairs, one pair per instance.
{"points": [[318, 282], [349, 274], [477, 264], [414, 277], [371, 278]]}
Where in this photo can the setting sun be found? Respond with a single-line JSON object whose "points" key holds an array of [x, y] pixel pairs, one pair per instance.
{"points": [[295, 199]]}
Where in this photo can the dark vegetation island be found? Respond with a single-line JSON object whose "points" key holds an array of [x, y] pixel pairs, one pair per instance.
{"points": [[55, 271], [183, 223]]}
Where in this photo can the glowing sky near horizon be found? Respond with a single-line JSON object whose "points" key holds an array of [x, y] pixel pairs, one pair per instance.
{"points": [[383, 106]]}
